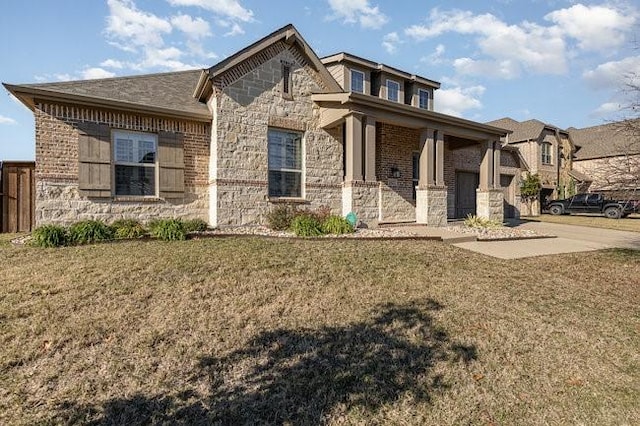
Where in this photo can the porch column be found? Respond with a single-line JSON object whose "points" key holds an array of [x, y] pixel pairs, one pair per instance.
{"points": [[353, 145], [486, 166], [496, 165], [370, 150], [439, 158], [489, 196], [431, 194]]}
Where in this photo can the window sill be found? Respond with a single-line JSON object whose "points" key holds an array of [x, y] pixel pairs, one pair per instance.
{"points": [[136, 199], [288, 200]]}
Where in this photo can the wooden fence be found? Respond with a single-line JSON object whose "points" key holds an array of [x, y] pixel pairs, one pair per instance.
{"points": [[17, 196]]}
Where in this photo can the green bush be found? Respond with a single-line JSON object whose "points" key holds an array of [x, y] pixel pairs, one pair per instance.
{"points": [[305, 225], [49, 236], [89, 231], [128, 229], [195, 225], [168, 229], [280, 218], [336, 225]]}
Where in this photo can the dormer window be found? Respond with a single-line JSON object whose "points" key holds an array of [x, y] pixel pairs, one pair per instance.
{"points": [[357, 81], [393, 90], [423, 99]]}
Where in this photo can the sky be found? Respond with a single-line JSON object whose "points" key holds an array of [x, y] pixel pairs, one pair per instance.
{"points": [[558, 61]]}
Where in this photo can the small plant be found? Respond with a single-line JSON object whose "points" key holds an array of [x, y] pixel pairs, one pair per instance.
{"points": [[473, 221], [168, 230], [195, 225], [128, 229], [280, 218], [336, 225], [49, 236], [89, 231], [305, 225]]}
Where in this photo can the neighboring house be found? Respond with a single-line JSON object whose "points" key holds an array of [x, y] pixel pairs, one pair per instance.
{"points": [[271, 124], [548, 152], [609, 157]]}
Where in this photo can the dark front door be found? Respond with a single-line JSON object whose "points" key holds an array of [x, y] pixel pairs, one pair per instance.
{"points": [[509, 208], [466, 184]]}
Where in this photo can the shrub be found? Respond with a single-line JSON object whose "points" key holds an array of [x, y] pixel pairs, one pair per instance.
{"points": [[336, 225], [473, 221], [280, 218], [168, 229], [128, 228], [194, 225], [49, 236], [305, 225], [89, 231]]}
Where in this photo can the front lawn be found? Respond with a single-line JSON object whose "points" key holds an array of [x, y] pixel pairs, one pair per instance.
{"points": [[276, 331], [631, 223]]}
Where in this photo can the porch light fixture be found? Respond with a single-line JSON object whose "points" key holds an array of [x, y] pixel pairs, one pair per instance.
{"points": [[395, 172]]}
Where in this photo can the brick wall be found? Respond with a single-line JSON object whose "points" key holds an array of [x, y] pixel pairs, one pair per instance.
{"points": [[57, 195]]}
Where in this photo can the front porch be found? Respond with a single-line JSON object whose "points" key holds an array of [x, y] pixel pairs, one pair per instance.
{"points": [[400, 162]]}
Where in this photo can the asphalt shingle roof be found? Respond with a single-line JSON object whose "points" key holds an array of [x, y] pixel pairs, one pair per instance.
{"points": [[605, 140], [522, 131], [173, 90]]}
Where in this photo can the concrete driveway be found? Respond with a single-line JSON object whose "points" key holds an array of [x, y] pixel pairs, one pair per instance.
{"points": [[570, 239]]}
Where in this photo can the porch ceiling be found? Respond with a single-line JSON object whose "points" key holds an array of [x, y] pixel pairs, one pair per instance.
{"points": [[335, 106]]}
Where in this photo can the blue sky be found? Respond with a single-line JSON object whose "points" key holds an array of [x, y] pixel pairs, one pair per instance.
{"points": [[563, 62]]}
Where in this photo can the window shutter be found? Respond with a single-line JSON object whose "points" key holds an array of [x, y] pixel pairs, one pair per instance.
{"points": [[171, 162], [94, 156]]}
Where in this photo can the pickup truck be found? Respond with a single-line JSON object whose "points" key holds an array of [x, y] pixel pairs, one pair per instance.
{"points": [[594, 203]]}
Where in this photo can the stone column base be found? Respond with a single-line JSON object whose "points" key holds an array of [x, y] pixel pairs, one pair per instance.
{"points": [[489, 204], [431, 206], [361, 198]]}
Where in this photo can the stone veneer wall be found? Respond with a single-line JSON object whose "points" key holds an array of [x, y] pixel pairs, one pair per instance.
{"points": [[490, 204], [57, 196], [395, 146], [245, 106]]}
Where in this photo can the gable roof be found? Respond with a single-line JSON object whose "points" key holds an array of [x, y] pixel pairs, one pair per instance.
{"points": [[287, 34], [163, 93], [606, 140], [525, 130]]}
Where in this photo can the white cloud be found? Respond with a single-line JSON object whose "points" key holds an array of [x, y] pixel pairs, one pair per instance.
{"points": [[7, 120], [358, 11], [131, 27], [507, 48], [235, 30], [390, 42], [505, 69], [95, 72], [457, 100], [614, 74], [112, 63], [194, 28], [607, 109], [229, 8], [594, 27], [436, 56]]}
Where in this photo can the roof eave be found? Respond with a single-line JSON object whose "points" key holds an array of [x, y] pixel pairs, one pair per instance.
{"points": [[27, 96]]}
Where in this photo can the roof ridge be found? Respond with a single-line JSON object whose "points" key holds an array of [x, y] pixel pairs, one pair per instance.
{"points": [[120, 78]]}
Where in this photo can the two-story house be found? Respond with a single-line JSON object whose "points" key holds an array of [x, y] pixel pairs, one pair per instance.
{"points": [[270, 124]]}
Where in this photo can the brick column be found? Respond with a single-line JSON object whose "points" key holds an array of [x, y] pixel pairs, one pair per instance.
{"points": [[489, 196]]}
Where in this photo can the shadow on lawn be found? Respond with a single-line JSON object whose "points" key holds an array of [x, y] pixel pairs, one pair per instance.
{"points": [[299, 376]]}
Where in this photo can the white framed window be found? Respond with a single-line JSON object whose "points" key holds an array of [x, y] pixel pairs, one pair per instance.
{"points": [[546, 153], [135, 164], [393, 90], [357, 81], [423, 99], [285, 163]]}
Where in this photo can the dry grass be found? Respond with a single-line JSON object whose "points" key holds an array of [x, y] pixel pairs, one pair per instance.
{"points": [[631, 223], [247, 330]]}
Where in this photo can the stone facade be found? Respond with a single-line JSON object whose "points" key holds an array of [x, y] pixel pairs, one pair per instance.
{"points": [[57, 197], [431, 206], [244, 110], [490, 204]]}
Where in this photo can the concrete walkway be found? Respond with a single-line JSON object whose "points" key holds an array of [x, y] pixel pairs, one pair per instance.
{"points": [[570, 239]]}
